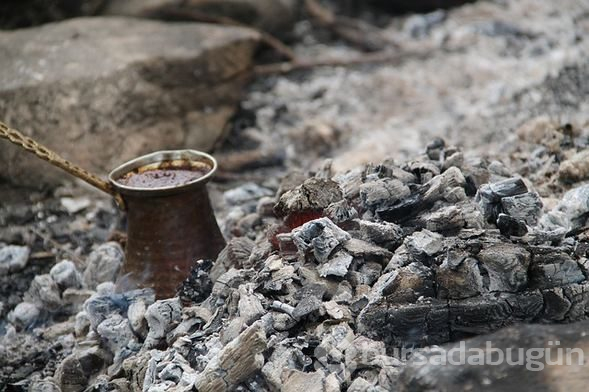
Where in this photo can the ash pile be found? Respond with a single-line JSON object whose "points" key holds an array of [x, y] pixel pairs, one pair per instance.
{"points": [[326, 277]]}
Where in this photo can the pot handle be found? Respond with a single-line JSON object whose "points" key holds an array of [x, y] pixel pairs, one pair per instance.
{"points": [[55, 159]]}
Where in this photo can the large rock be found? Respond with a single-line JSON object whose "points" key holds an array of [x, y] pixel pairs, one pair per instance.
{"points": [[275, 16], [103, 90]]}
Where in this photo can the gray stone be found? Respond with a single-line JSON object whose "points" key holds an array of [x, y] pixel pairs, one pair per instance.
{"points": [[101, 81], [13, 258], [103, 264]]}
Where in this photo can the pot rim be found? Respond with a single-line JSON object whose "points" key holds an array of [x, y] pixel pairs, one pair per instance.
{"points": [[160, 156]]}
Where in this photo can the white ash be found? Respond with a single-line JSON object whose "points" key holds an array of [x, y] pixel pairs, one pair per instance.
{"points": [[13, 258]]}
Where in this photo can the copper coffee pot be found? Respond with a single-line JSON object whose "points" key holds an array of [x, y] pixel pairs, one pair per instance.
{"points": [[168, 228]]}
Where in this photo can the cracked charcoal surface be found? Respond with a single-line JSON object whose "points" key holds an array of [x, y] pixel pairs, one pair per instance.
{"points": [[328, 272], [263, 315]]}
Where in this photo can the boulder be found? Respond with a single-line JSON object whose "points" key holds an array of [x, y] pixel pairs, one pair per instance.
{"points": [[101, 91], [275, 16]]}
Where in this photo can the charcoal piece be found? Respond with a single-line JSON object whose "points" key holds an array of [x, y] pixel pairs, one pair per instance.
{"points": [[382, 192], [265, 206], [313, 194], [66, 275], [343, 294], [115, 332], [506, 265], [336, 311], [444, 220], [367, 251], [479, 315], [45, 385], [448, 186], [162, 316], [13, 258], [235, 254], [570, 213], [341, 212], [574, 169], [245, 193], [136, 316], [24, 315], [526, 206], [232, 279], [103, 264], [370, 271], [472, 214], [385, 234], [44, 293], [405, 285], [406, 325], [459, 277], [489, 196], [509, 187], [316, 290], [306, 306], [290, 181], [424, 170], [360, 385], [282, 321], [351, 181], [424, 244], [401, 258], [578, 295], [321, 236], [554, 269], [296, 380], [280, 280], [283, 357], [397, 173], [286, 246], [198, 285], [337, 265], [434, 148], [404, 209], [235, 362], [556, 304], [453, 158], [511, 227], [489, 203]]}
